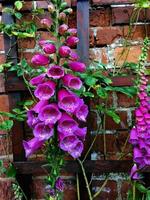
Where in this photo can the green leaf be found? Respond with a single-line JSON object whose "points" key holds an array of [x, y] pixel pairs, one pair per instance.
{"points": [[101, 92], [114, 116], [7, 114], [129, 91], [6, 125], [141, 188], [88, 94], [18, 15], [11, 171], [148, 195], [18, 5], [90, 81]]}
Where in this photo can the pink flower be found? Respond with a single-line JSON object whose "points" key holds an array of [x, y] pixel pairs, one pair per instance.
{"points": [[133, 137], [38, 79], [72, 41], [72, 81], [46, 22], [72, 31], [45, 91], [63, 29], [77, 66], [81, 111], [39, 60], [50, 114], [73, 56], [49, 48], [55, 72], [134, 175], [76, 151], [67, 124], [32, 146], [37, 108], [42, 131], [81, 133], [67, 101], [64, 51]]}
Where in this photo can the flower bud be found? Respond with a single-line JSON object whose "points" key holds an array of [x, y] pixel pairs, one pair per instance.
{"points": [[68, 11], [64, 51], [49, 48], [46, 22], [77, 66], [51, 8], [62, 29], [72, 41], [72, 31], [62, 16], [42, 42], [39, 60]]}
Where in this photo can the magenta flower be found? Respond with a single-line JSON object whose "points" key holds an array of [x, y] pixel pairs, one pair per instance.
{"points": [[68, 101], [42, 42], [32, 146], [64, 51], [50, 190], [38, 79], [134, 174], [39, 60], [59, 185], [32, 118], [74, 56], [45, 91], [72, 41], [133, 137], [55, 72], [81, 133], [138, 157], [42, 131], [67, 142], [76, 151], [139, 115], [50, 114], [72, 31], [77, 66], [63, 29], [81, 111], [49, 48], [37, 108], [67, 124], [46, 22], [72, 81]]}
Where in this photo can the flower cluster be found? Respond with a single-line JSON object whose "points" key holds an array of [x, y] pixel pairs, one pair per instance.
{"points": [[59, 107], [140, 134]]}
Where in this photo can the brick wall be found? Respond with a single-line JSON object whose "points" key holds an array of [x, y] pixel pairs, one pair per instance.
{"points": [[109, 24]]}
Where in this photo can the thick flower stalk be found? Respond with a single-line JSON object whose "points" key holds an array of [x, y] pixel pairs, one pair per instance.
{"points": [[55, 119], [140, 133]]}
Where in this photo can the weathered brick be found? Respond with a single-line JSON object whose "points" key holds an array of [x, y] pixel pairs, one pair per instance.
{"points": [[5, 145], [100, 17], [5, 189], [111, 125], [125, 101], [122, 15], [106, 35], [125, 186], [108, 192], [108, 2], [27, 43]]}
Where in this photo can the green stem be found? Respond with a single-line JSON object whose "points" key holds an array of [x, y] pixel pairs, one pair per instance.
{"points": [[21, 190], [86, 180], [100, 190], [78, 187], [134, 191]]}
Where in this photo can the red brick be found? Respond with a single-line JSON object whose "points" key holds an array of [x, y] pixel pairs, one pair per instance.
{"points": [[91, 39], [125, 186], [4, 103], [122, 15], [100, 17], [1, 42], [107, 2], [6, 190], [138, 32], [107, 35], [109, 192], [5, 145], [111, 125], [125, 101], [27, 43], [2, 83], [72, 21], [2, 59]]}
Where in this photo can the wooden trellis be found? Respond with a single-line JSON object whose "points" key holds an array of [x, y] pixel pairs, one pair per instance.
{"points": [[15, 89]]}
